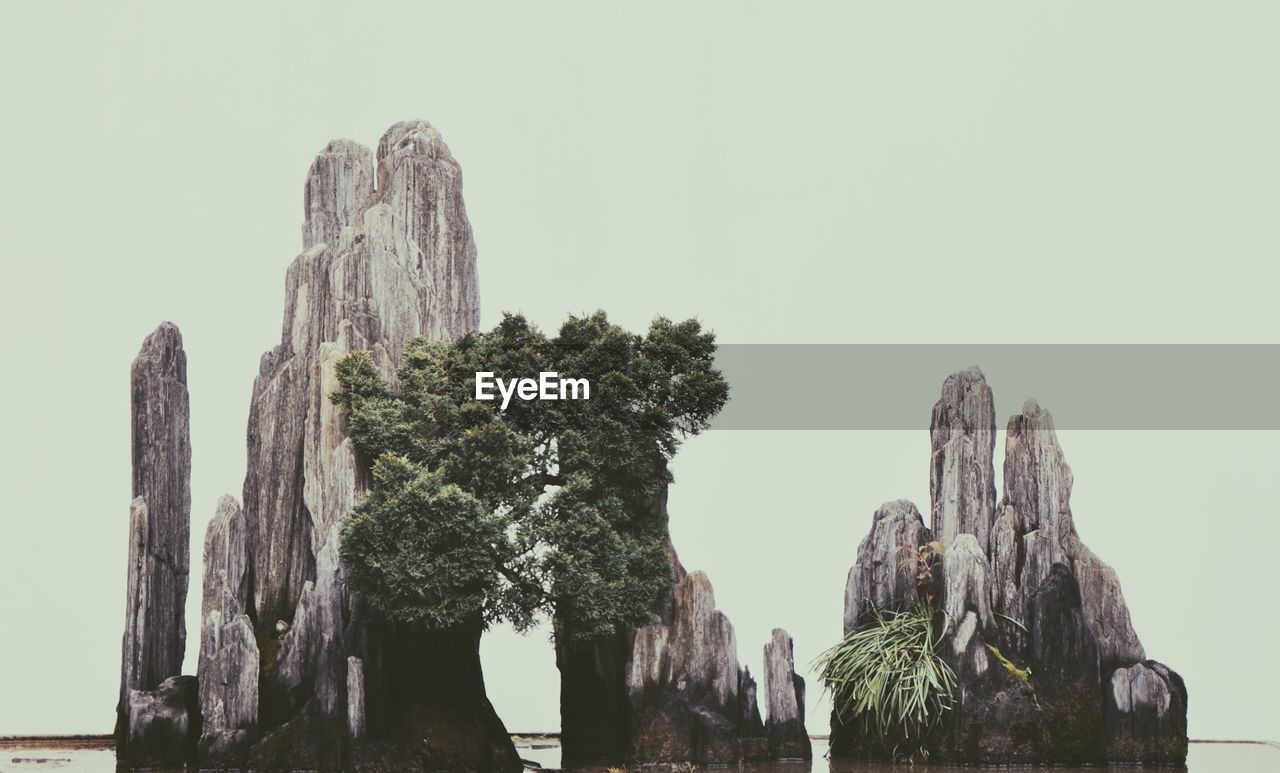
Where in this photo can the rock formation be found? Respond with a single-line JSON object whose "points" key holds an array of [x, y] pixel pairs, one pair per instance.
{"points": [[961, 479], [1050, 669], [875, 580], [382, 263], [683, 680], [229, 659], [784, 689], [162, 725], [1146, 715], [159, 534], [672, 690]]}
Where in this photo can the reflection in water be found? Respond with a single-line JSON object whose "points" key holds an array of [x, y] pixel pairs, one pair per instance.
{"points": [[1204, 758]]}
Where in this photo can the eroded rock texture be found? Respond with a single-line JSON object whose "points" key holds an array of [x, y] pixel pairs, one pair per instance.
{"points": [[381, 265], [877, 583], [784, 689], [1146, 715], [229, 658], [1050, 669], [683, 679], [670, 691], [962, 433], [163, 725], [159, 529], [876, 580]]}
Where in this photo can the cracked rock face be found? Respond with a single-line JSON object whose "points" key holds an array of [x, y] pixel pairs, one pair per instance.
{"points": [[382, 263], [669, 691], [378, 269], [1146, 715], [163, 725], [682, 680], [159, 521], [784, 691], [962, 432], [229, 659], [876, 578], [1037, 483], [1049, 667], [966, 597]]}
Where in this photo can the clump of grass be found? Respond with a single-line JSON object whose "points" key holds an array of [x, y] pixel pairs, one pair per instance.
{"points": [[887, 676]]}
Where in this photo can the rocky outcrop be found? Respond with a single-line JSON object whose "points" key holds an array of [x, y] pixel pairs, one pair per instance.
{"points": [[1146, 715], [1049, 667], [162, 725], [229, 658], [755, 743], [966, 600], [1037, 486], [784, 689], [381, 264], [682, 680], [159, 529], [670, 691], [876, 580], [962, 433]]}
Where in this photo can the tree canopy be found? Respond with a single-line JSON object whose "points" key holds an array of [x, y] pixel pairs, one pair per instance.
{"points": [[546, 506]]}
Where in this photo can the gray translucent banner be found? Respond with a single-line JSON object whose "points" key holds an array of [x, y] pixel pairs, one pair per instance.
{"points": [[1084, 386]]}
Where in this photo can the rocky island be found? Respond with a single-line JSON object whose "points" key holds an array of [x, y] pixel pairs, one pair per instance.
{"points": [[1026, 645], [295, 671], [1047, 666]]}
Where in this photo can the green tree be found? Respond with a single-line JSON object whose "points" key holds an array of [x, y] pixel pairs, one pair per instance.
{"points": [[544, 506]]}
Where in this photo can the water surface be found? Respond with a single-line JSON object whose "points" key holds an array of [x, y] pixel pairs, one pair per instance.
{"points": [[1203, 758]]}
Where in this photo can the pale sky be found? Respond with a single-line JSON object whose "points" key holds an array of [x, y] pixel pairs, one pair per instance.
{"points": [[842, 172]]}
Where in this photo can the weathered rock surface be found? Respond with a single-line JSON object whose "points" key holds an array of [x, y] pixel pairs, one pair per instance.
{"points": [[163, 725], [682, 680], [784, 689], [1146, 715], [1037, 484], [229, 666], [966, 600], [381, 264], [755, 743], [962, 433], [876, 579], [378, 269], [229, 659], [670, 691], [1050, 669], [159, 524], [1065, 671]]}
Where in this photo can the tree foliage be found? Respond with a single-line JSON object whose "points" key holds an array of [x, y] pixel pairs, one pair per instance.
{"points": [[546, 506]]}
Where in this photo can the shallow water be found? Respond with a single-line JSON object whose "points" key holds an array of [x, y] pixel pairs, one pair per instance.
{"points": [[1203, 758]]}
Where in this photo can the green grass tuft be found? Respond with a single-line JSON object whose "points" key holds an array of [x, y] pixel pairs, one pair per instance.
{"points": [[887, 676]]}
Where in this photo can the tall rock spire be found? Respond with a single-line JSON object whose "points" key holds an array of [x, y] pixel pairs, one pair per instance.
{"points": [[381, 265], [160, 520], [1037, 498], [379, 268], [962, 433]]}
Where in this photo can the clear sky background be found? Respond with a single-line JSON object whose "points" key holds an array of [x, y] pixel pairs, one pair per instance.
{"points": [[845, 172]]}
